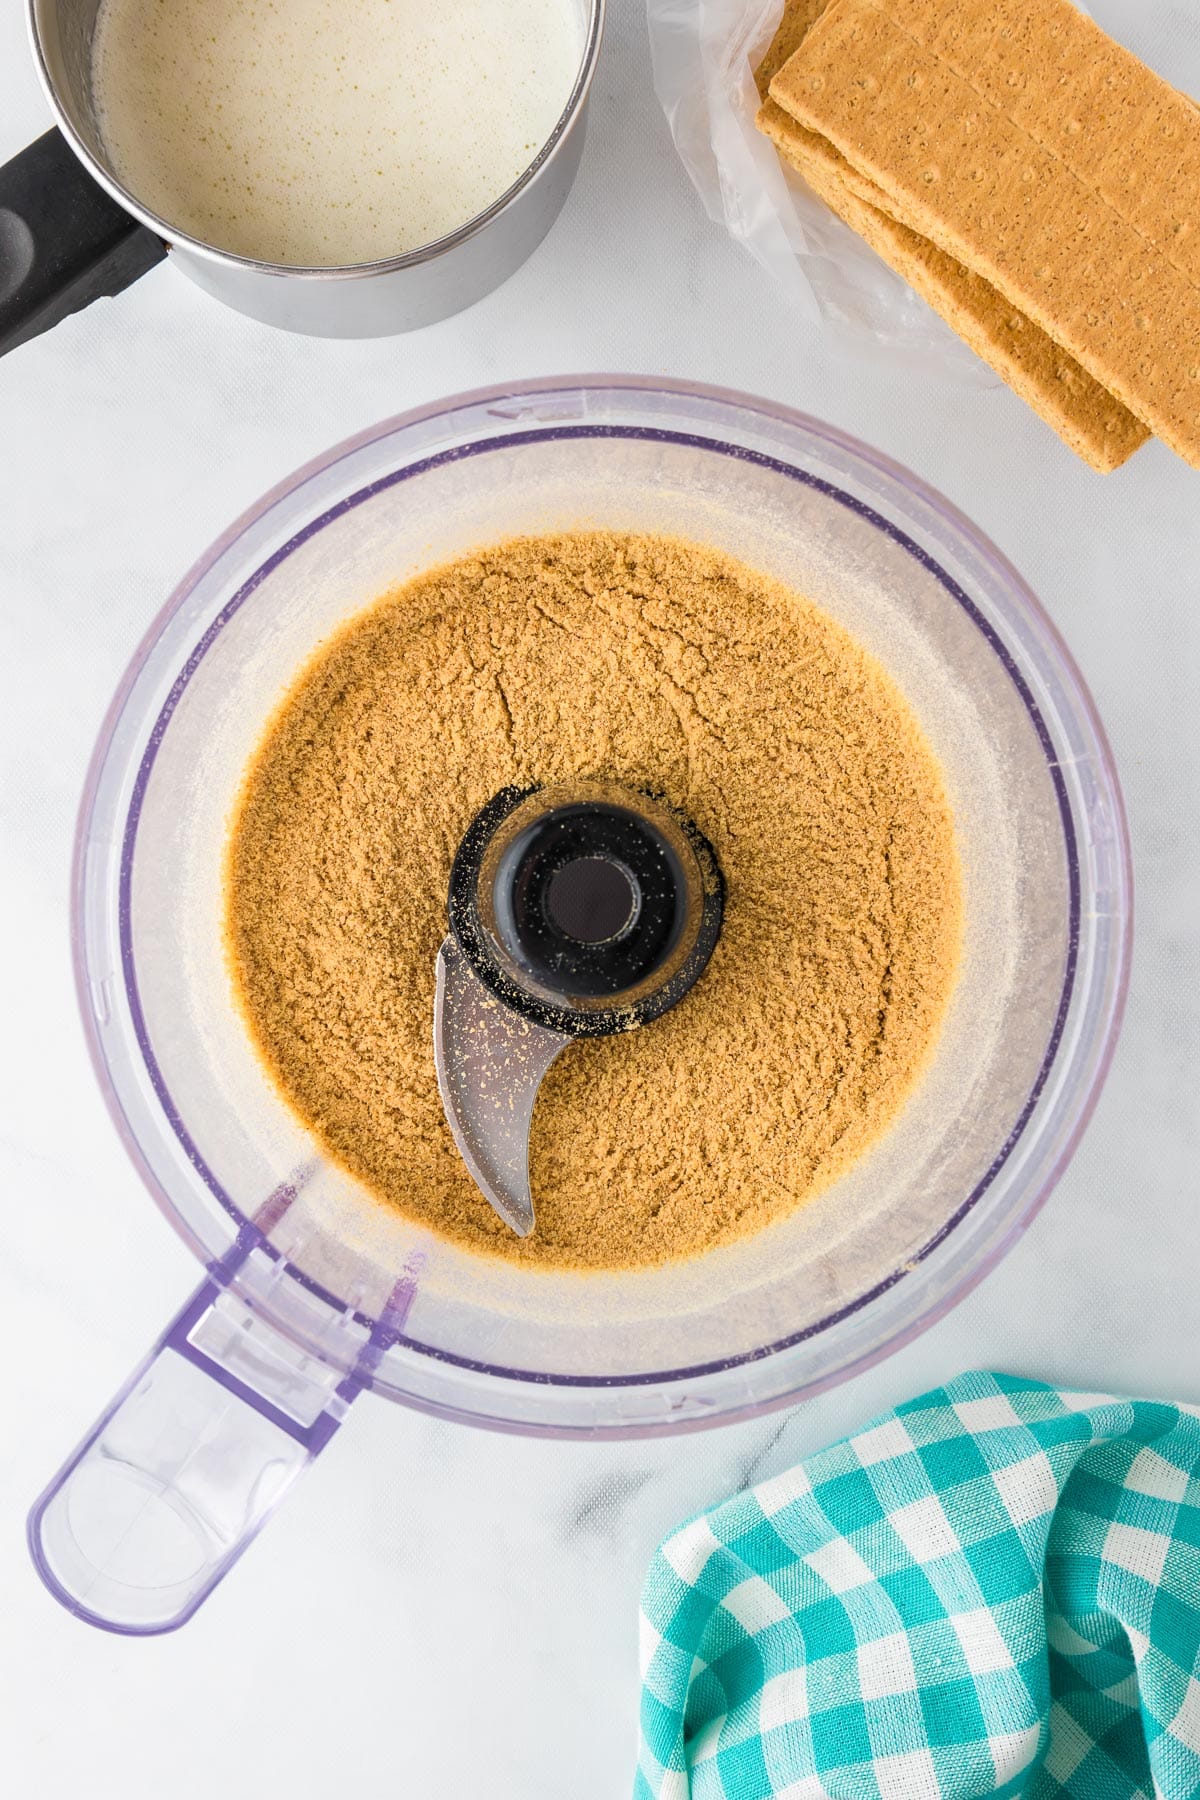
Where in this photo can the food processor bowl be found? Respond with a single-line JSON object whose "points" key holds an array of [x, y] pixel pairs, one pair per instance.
{"points": [[313, 1290]]}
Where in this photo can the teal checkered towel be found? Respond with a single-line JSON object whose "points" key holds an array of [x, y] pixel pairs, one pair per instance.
{"points": [[992, 1591]]}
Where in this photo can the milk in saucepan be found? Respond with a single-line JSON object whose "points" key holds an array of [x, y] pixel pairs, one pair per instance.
{"points": [[327, 132]]}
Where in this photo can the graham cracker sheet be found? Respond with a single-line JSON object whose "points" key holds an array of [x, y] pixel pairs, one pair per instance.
{"points": [[1083, 97], [959, 171], [1084, 414], [799, 16]]}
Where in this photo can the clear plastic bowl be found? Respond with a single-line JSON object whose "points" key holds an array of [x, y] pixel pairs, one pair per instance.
{"points": [[307, 1273]]}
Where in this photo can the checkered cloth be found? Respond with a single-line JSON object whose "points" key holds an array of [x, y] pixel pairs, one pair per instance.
{"points": [[992, 1591]]}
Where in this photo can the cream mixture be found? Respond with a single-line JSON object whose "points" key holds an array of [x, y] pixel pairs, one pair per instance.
{"points": [[326, 132]]}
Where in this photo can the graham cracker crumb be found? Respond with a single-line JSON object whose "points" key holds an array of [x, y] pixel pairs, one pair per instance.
{"points": [[657, 664]]}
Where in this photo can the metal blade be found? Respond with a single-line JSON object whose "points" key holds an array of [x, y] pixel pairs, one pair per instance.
{"points": [[490, 1064]]}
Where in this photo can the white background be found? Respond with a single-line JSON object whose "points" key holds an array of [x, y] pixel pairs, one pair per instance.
{"points": [[439, 1611]]}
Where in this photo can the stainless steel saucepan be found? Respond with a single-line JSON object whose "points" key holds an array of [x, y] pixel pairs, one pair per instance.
{"points": [[71, 232]]}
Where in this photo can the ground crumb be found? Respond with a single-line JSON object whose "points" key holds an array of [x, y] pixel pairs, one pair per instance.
{"points": [[658, 664]]}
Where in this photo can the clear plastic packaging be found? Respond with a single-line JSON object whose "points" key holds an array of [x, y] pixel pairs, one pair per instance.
{"points": [[704, 53]]}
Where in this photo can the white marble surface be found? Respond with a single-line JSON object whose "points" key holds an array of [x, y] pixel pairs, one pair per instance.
{"points": [[440, 1611]]}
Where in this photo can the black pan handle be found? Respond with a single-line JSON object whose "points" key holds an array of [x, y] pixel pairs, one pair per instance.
{"points": [[64, 242]]}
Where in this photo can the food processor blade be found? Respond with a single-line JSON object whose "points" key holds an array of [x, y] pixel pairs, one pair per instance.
{"points": [[580, 911], [490, 1063]]}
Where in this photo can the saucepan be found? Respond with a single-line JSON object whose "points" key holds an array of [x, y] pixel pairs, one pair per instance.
{"points": [[72, 232]]}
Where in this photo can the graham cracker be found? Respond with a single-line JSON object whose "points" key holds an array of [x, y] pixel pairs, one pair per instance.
{"points": [[1084, 414], [799, 16], [959, 171], [1086, 99]]}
